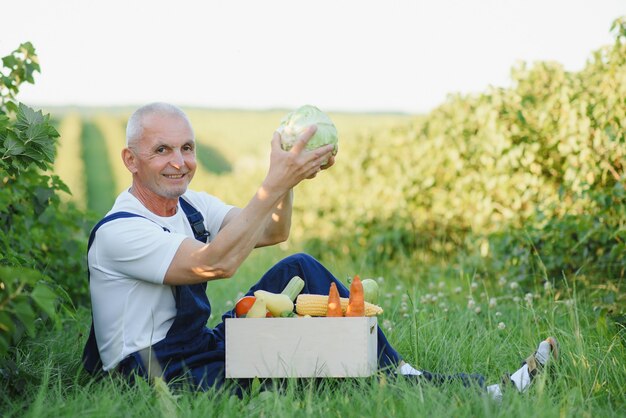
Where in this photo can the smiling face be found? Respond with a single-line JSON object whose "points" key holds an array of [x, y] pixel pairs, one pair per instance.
{"points": [[162, 161]]}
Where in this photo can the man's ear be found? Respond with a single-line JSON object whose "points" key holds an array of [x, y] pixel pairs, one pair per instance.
{"points": [[129, 160]]}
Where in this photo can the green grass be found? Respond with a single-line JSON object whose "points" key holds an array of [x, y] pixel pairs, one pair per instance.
{"points": [[98, 176], [428, 319]]}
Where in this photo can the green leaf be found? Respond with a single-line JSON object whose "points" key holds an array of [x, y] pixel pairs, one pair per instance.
{"points": [[10, 61], [45, 298], [4, 122], [38, 133], [26, 117], [11, 106], [20, 274], [25, 314], [255, 387], [7, 325], [13, 146]]}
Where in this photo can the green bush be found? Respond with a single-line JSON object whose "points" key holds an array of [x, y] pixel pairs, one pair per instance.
{"points": [[590, 246], [41, 243], [548, 147]]}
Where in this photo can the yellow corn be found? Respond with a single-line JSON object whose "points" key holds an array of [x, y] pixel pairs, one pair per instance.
{"points": [[317, 305]]}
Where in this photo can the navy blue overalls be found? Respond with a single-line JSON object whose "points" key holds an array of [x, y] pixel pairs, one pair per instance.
{"points": [[196, 352]]}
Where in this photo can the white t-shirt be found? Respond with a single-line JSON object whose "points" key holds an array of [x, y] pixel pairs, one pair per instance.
{"points": [[132, 308]]}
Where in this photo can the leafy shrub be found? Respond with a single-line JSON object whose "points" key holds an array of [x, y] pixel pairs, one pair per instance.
{"points": [[549, 147], [585, 245], [41, 257]]}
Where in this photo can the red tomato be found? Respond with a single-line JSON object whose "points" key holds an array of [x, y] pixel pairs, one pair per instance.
{"points": [[243, 305]]}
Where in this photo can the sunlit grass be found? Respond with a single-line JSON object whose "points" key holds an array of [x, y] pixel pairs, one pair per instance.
{"points": [[440, 322], [98, 171], [112, 128], [69, 164]]}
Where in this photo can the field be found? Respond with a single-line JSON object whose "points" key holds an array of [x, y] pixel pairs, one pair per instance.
{"points": [[492, 222], [233, 150], [429, 319], [443, 317]]}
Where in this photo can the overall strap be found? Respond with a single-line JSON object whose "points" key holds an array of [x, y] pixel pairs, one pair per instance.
{"points": [[112, 217], [196, 220]]}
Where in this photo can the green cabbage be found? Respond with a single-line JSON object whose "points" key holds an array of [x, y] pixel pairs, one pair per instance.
{"points": [[296, 122]]}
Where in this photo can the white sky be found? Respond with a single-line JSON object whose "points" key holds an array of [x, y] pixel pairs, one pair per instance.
{"points": [[396, 55]]}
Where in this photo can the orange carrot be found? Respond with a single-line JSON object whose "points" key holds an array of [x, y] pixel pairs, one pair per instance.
{"points": [[356, 303], [334, 302]]}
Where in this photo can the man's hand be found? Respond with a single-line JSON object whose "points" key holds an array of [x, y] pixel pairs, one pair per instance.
{"points": [[289, 168]]}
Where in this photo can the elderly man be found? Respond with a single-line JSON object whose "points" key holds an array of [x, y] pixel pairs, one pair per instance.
{"points": [[152, 255]]}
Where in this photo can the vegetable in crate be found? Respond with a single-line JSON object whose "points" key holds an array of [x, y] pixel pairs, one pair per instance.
{"points": [[293, 288], [334, 302], [295, 124], [243, 305], [356, 303], [277, 304], [317, 305], [370, 290], [258, 309]]}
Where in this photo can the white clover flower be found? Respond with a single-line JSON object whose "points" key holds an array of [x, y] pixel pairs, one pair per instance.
{"points": [[514, 285], [431, 285], [399, 287], [442, 305], [492, 302], [478, 310], [404, 297], [470, 304], [474, 285], [547, 286], [380, 280], [405, 315], [498, 314], [442, 284], [517, 299], [501, 325], [387, 325], [458, 290], [502, 281], [528, 298]]}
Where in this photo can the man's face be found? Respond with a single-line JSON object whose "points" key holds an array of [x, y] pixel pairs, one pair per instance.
{"points": [[165, 156]]}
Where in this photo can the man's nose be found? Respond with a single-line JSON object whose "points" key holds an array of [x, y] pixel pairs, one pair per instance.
{"points": [[177, 160]]}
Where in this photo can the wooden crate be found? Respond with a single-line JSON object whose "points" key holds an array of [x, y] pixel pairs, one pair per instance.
{"points": [[301, 347]]}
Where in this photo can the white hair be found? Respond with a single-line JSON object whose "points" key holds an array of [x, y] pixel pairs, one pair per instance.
{"points": [[134, 128]]}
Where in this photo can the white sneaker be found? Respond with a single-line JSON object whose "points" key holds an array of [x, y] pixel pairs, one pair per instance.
{"points": [[523, 377]]}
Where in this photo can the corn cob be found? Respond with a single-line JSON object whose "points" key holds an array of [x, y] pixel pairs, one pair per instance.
{"points": [[317, 305]]}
